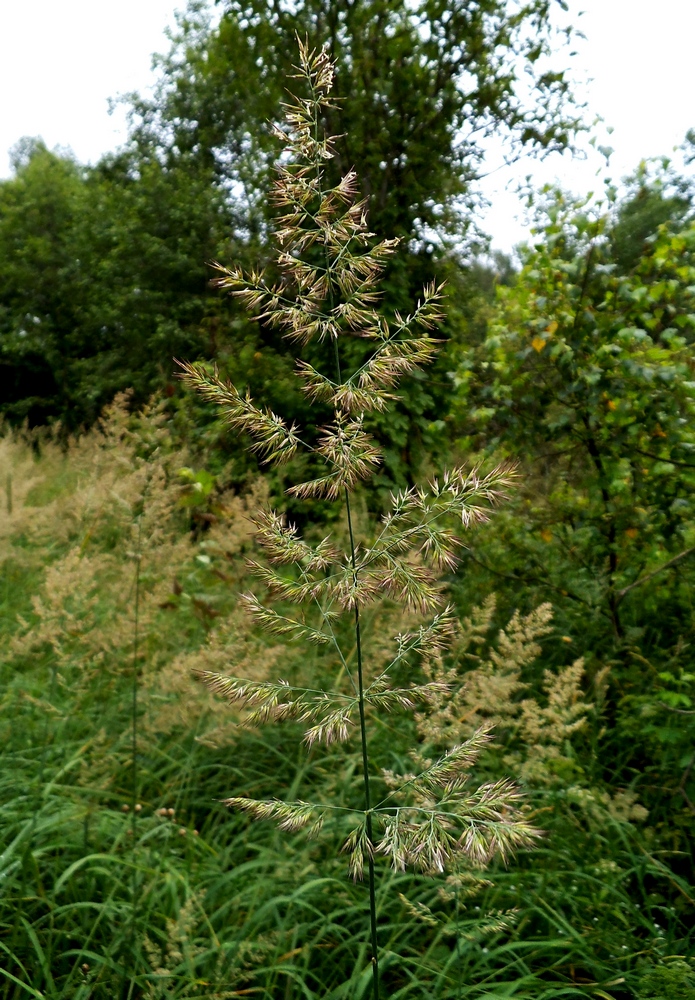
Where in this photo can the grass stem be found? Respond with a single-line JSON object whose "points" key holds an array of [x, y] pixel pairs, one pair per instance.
{"points": [[365, 770], [134, 750], [363, 740]]}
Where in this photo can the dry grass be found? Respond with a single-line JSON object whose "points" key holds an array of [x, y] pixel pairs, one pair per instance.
{"points": [[91, 516]]}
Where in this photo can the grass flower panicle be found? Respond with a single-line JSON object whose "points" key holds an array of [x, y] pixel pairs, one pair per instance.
{"points": [[327, 289]]}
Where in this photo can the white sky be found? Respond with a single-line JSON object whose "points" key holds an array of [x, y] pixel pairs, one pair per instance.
{"points": [[60, 62], [637, 67]]}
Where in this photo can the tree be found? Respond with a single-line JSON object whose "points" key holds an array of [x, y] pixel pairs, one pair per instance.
{"points": [[38, 211], [102, 280], [587, 369], [657, 193], [419, 89], [587, 376]]}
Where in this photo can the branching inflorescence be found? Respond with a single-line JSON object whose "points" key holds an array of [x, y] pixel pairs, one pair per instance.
{"points": [[328, 289]]}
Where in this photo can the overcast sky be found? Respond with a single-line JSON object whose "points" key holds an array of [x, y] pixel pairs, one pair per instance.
{"points": [[60, 62]]}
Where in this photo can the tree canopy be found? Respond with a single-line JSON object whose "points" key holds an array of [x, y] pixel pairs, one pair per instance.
{"points": [[102, 280], [419, 89], [103, 271], [586, 377]]}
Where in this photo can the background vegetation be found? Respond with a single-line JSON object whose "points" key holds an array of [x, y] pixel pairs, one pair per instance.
{"points": [[124, 539]]}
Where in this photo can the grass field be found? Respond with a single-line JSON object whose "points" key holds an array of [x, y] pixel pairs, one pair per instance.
{"points": [[123, 875]]}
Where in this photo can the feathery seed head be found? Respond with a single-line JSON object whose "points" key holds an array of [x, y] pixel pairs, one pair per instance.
{"points": [[327, 288]]}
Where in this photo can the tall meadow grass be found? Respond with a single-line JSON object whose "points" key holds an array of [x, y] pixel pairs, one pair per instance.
{"points": [[223, 910]]}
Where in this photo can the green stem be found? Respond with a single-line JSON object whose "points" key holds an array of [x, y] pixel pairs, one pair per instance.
{"points": [[365, 770], [134, 746], [360, 675], [459, 957], [363, 740]]}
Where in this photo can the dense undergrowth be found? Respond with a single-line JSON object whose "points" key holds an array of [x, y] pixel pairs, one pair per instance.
{"points": [[135, 881]]}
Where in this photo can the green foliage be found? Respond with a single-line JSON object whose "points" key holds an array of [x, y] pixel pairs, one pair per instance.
{"points": [[102, 281], [588, 370], [38, 211], [603, 898], [654, 197], [586, 375], [665, 981]]}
